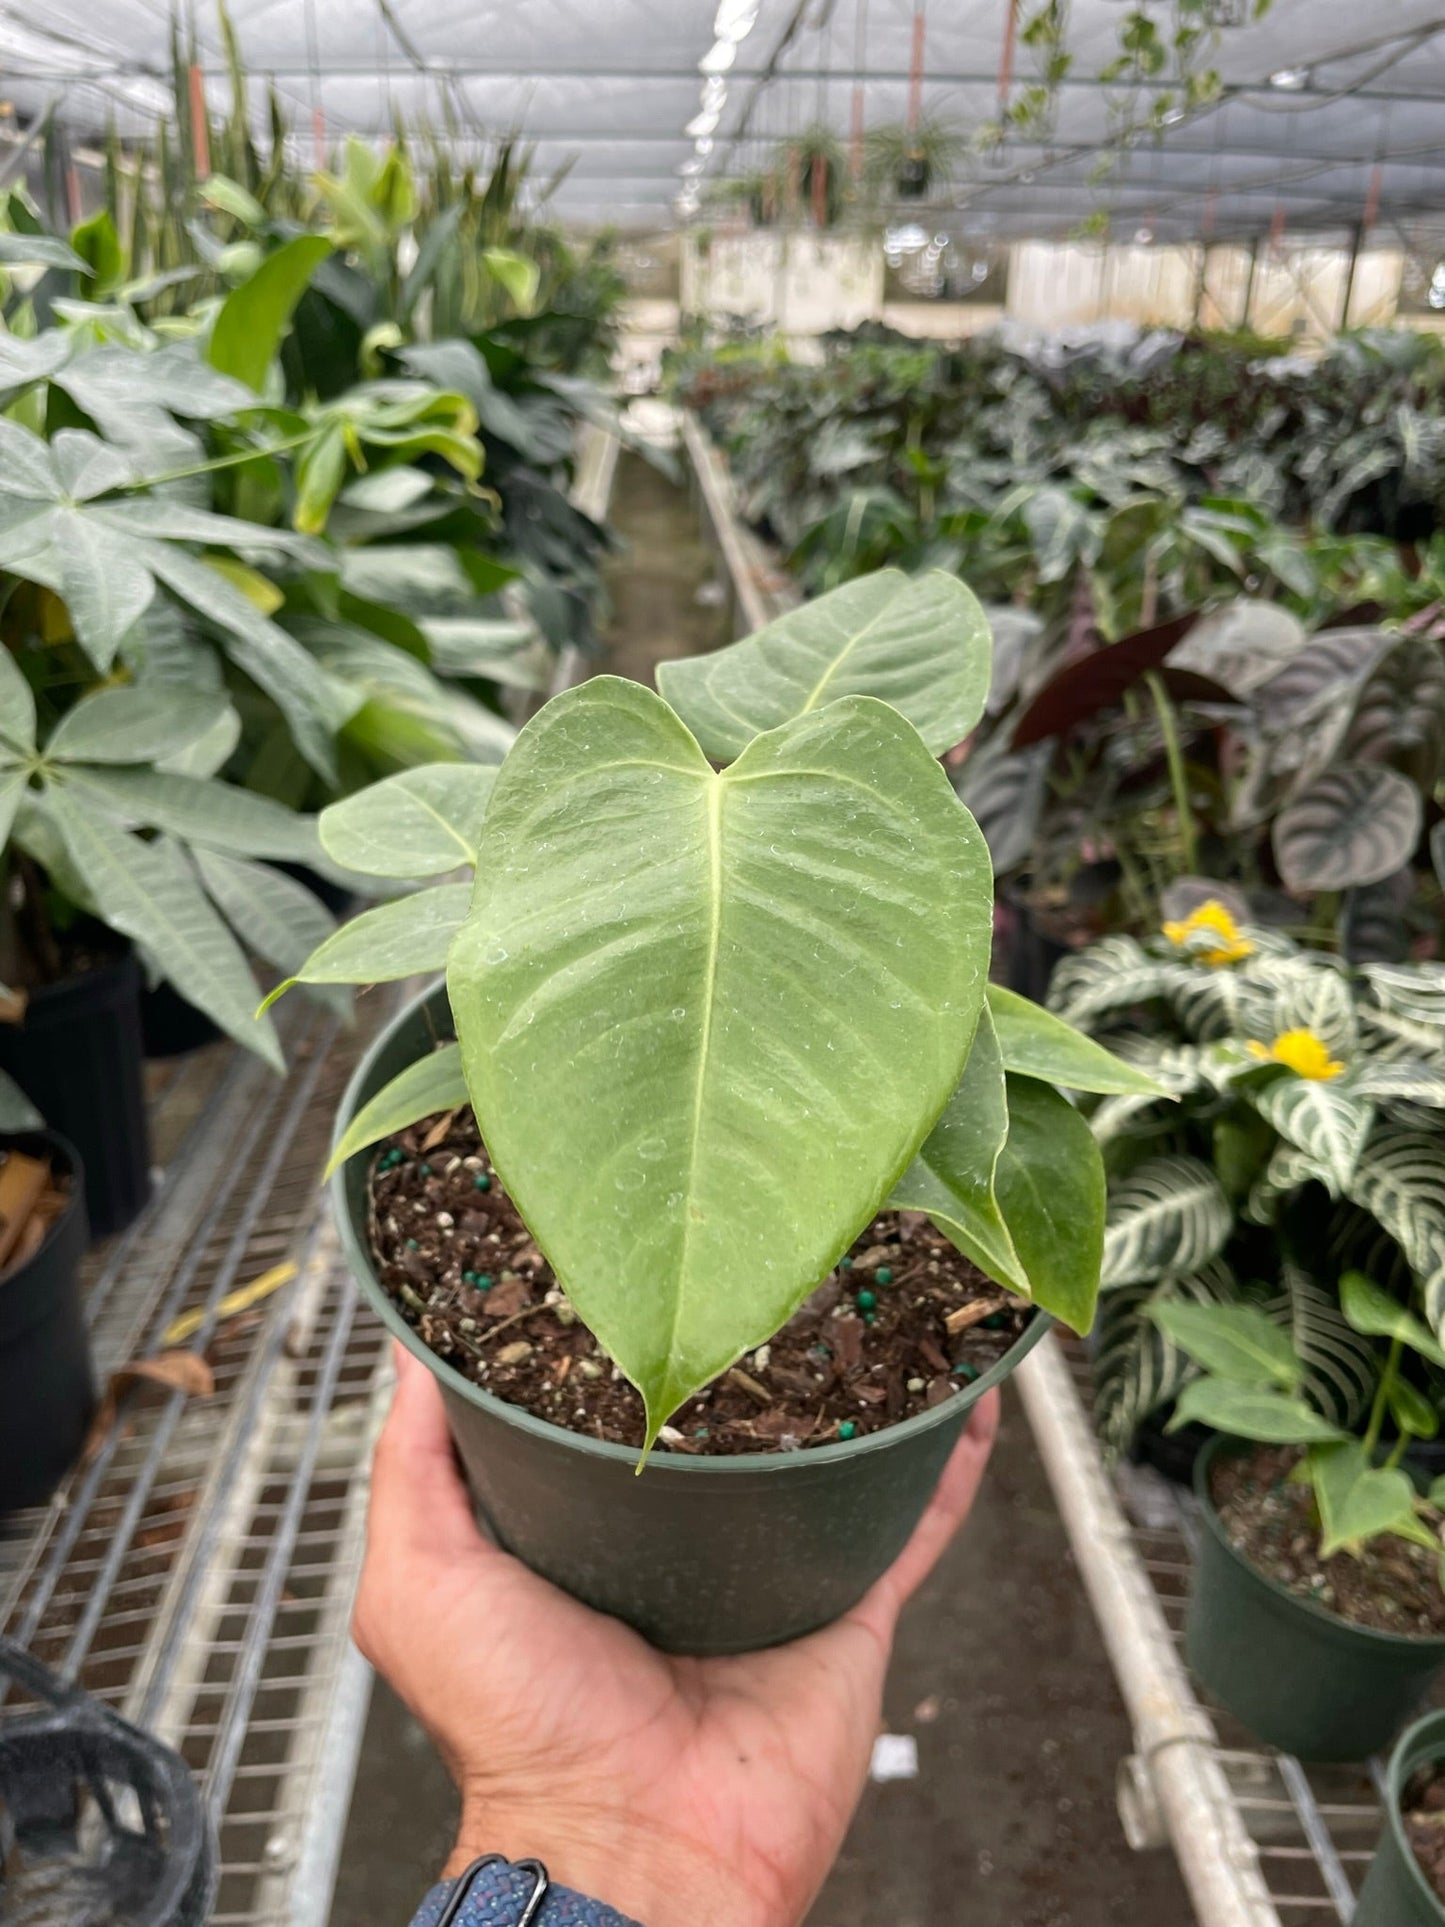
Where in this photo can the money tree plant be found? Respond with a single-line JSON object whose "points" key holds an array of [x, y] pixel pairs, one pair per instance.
{"points": [[719, 982]]}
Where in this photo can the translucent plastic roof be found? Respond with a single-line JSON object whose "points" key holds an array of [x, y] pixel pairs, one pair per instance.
{"points": [[616, 83]]}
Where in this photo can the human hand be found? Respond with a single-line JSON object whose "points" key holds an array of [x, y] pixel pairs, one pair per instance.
{"points": [[676, 1790]]}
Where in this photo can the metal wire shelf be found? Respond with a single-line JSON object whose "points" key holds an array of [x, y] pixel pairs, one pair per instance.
{"points": [[198, 1574], [1261, 1840]]}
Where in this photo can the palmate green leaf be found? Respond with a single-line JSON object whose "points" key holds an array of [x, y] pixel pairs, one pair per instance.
{"points": [[200, 810], [1246, 1412], [1111, 975], [1051, 1190], [133, 724], [421, 823], [1168, 1216], [17, 708], [1358, 1501], [434, 1083], [1235, 1342], [953, 1177], [708, 1020], [922, 646], [1037, 1044], [270, 912], [1137, 1366], [1328, 1123], [148, 893], [407, 937], [252, 319]]}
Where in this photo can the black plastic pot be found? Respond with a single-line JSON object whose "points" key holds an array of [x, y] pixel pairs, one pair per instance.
{"points": [[47, 1386], [1173, 1455], [1303, 1679], [171, 1027], [1396, 1893], [700, 1555], [77, 1056], [101, 1816]]}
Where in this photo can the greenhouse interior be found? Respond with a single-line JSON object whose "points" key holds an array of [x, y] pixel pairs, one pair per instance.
{"points": [[722, 963]]}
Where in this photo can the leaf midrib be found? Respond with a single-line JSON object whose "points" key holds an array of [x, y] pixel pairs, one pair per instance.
{"points": [[838, 661]]}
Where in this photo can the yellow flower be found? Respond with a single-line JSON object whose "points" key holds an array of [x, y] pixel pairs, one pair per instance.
{"points": [[1304, 1053], [1211, 921]]}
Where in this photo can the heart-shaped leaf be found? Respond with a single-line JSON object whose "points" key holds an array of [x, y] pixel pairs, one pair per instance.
{"points": [[1355, 824], [922, 646], [1051, 1190], [708, 1020], [1357, 1501]]}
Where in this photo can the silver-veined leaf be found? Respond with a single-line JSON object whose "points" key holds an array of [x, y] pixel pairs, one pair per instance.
{"points": [[434, 1083], [1111, 975], [1355, 824], [1400, 1181], [1319, 1117], [921, 645], [708, 1020], [1340, 1366], [1170, 1215]]}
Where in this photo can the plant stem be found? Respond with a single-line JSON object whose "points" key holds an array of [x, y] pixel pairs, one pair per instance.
{"points": [[1178, 776], [218, 462], [1382, 1397]]}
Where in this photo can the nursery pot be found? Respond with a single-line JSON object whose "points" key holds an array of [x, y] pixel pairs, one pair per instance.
{"points": [[700, 1555], [1396, 1893], [77, 1057], [172, 1027], [47, 1389], [1303, 1679]]}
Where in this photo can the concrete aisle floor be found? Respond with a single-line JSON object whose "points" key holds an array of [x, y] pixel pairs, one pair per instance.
{"points": [[999, 1671]]}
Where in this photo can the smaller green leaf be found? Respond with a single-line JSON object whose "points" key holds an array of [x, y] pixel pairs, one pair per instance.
{"points": [[432, 1084], [1357, 1501], [421, 823], [1436, 1494], [1235, 1342], [1412, 1412], [1038, 1044], [1249, 1412], [1375, 1312], [517, 273], [407, 937], [253, 318], [40, 251], [1050, 1186]]}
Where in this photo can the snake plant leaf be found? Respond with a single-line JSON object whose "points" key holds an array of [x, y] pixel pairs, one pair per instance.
{"points": [[1357, 823], [149, 893], [1051, 1190], [434, 1083], [201, 810], [1037, 1044], [407, 937], [132, 724], [253, 318], [1247, 1412], [1170, 1215], [421, 823], [1328, 1123], [922, 645], [708, 1020], [1237, 1342], [953, 1176]]}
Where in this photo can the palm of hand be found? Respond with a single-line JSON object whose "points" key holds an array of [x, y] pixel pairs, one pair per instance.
{"points": [[676, 1789]]}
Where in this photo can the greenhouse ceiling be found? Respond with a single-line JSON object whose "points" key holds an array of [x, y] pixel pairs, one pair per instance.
{"points": [[1330, 116]]}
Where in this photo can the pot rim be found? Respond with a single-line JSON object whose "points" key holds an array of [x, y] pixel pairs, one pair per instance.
{"points": [[358, 1256], [1428, 1731], [1218, 1447]]}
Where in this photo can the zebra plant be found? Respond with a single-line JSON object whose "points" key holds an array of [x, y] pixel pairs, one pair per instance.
{"points": [[1301, 1137]]}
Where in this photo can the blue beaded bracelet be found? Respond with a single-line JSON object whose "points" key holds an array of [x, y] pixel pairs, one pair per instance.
{"points": [[494, 1892]]}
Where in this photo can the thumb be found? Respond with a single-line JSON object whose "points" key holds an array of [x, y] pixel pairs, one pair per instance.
{"points": [[419, 1500]]}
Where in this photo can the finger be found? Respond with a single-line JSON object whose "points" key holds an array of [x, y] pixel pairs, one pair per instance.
{"points": [[947, 1510], [419, 1503]]}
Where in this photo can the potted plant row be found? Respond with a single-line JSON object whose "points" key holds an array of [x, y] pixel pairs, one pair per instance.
{"points": [[716, 1150], [1405, 1885]]}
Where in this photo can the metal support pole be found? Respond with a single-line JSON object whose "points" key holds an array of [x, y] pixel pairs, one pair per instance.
{"points": [[1357, 241], [1249, 283]]}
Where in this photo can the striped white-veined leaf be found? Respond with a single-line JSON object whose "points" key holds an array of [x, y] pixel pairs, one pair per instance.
{"points": [[1416, 991], [1130, 1114], [1318, 1117], [1169, 1216], [1356, 823], [1137, 1367], [1109, 976], [1419, 1083], [1318, 998], [1214, 1003], [1340, 1366], [1400, 1181], [1182, 1069], [1287, 1170]]}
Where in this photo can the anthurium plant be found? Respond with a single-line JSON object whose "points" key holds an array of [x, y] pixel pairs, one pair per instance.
{"points": [[1253, 1386], [1302, 1141], [719, 982]]}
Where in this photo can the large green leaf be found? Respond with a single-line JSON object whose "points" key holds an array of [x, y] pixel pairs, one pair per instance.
{"points": [[148, 892], [1357, 823], [1168, 1216], [1038, 1044], [1319, 1118], [922, 646], [707, 1021], [252, 319], [1237, 1342], [1051, 1190], [434, 1083], [421, 823], [953, 1176], [405, 938]]}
